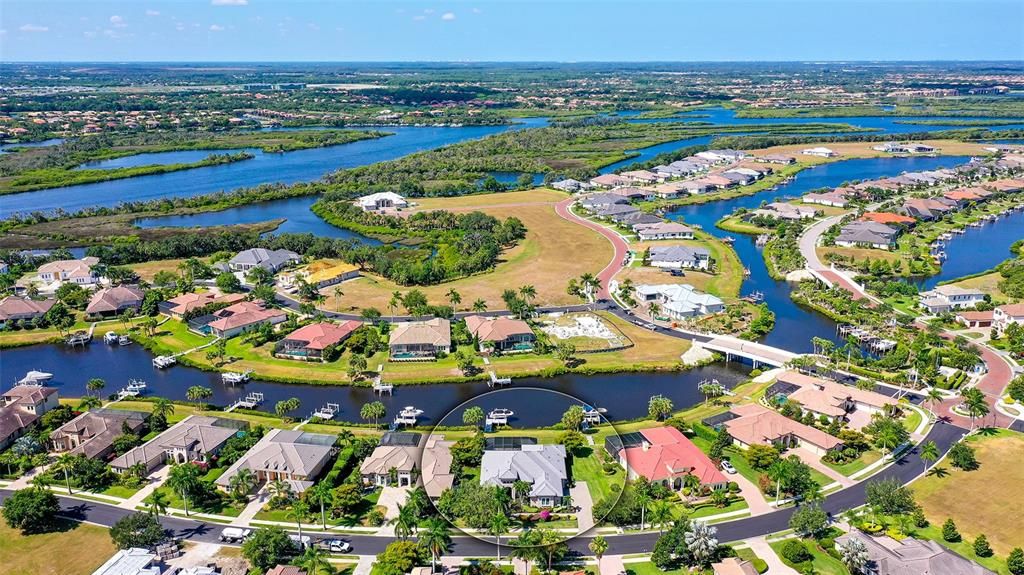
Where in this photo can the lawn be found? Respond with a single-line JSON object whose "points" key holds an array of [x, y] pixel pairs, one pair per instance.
{"points": [[39, 554], [987, 283], [598, 482], [368, 503], [554, 250], [865, 459], [120, 491], [987, 500], [824, 564], [724, 283], [912, 420]]}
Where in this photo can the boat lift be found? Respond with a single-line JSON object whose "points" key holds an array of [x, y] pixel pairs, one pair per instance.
{"points": [[164, 361], [327, 412], [235, 378], [409, 416], [379, 387], [496, 381]]}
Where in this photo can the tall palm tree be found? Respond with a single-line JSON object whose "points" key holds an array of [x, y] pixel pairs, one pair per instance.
{"points": [[197, 393], [279, 489], [338, 292], [661, 514], [933, 396], [65, 463], [394, 302], [183, 478], [321, 493], [454, 297], [89, 402], [298, 512], [315, 563], [598, 546], [436, 538], [94, 385], [528, 293], [499, 526], [479, 306], [157, 503], [345, 437], [643, 499], [929, 453], [163, 407], [974, 401], [242, 482], [404, 522]]}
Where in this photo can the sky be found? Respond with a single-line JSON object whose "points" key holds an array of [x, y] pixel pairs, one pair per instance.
{"points": [[510, 30]]}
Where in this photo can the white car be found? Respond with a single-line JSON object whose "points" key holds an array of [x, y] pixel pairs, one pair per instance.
{"points": [[728, 468], [234, 534], [337, 545]]}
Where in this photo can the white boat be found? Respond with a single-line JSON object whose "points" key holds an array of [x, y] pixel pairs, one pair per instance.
{"points": [[110, 337], [233, 377], [124, 340], [136, 385], [410, 411], [500, 413], [35, 377], [162, 361]]}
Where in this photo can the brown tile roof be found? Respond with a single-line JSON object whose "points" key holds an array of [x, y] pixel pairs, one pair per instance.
{"points": [[758, 425], [13, 306], [242, 314], [113, 299], [496, 328], [321, 335], [886, 218]]}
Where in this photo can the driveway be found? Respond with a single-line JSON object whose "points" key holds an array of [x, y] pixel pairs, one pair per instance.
{"points": [[751, 494], [582, 500], [391, 498], [761, 548], [613, 267]]}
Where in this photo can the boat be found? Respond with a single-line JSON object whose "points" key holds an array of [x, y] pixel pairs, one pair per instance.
{"points": [[136, 385], [35, 377], [410, 411], [110, 337], [729, 240], [124, 340], [162, 361], [234, 377], [500, 413], [593, 415], [408, 416]]}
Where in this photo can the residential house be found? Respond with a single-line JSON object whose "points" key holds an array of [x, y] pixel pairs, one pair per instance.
{"points": [[131, 561], [309, 341], [54, 274], [1004, 315], [834, 199], [678, 301], [20, 410], [776, 159], [177, 307], [949, 297], [1006, 185], [634, 194], [754, 424], [663, 231], [570, 185], [738, 177], [381, 201], [237, 319], [910, 556], [114, 301], [717, 181], [975, 318], [903, 148], [927, 209], [332, 275], [503, 334], [693, 187], [602, 200], [819, 151], [961, 197], [871, 234], [420, 340], [827, 398], [395, 461], [642, 176], [436, 466], [721, 156], [680, 257], [888, 218], [616, 211], [783, 211], [663, 455], [638, 218], [270, 260], [542, 466], [14, 308], [688, 166], [607, 181], [92, 433], [191, 440], [295, 457]]}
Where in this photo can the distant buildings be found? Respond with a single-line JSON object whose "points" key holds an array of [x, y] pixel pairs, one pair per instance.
{"points": [[270, 260], [678, 301], [784, 211], [834, 199], [903, 148], [52, 275], [542, 466], [819, 151], [608, 181], [663, 231], [680, 257], [721, 156], [177, 307], [420, 340], [382, 201], [570, 185], [503, 334], [20, 410], [776, 159], [888, 218], [949, 297], [331, 275]]}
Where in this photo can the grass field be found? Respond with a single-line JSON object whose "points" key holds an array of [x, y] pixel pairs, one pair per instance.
{"points": [[865, 459], [599, 483], [863, 150], [553, 251], [40, 554], [725, 283], [824, 564], [987, 283], [987, 500]]}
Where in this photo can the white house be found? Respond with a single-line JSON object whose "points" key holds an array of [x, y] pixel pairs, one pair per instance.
{"points": [[381, 201], [680, 257], [54, 274], [819, 151], [678, 301], [663, 231], [1004, 315], [949, 297]]}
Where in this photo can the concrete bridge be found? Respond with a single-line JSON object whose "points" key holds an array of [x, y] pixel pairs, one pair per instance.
{"points": [[758, 353]]}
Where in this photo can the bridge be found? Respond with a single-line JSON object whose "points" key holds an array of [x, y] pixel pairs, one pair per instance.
{"points": [[758, 353]]}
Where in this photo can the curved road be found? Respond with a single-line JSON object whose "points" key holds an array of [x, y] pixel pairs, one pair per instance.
{"points": [[906, 469], [621, 249]]}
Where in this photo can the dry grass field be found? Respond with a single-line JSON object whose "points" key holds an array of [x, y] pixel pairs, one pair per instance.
{"points": [[554, 251], [863, 150], [987, 500], [41, 554], [988, 283]]}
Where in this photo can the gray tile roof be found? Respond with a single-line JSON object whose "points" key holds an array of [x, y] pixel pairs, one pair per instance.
{"points": [[543, 466]]}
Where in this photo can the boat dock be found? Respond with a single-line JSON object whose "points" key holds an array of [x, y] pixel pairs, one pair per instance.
{"points": [[867, 339], [327, 412], [380, 387], [79, 338], [164, 361], [496, 381], [235, 378], [409, 416], [251, 401]]}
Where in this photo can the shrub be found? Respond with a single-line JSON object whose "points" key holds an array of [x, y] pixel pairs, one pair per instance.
{"points": [[1015, 561], [981, 546], [963, 457], [949, 532], [759, 564], [795, 552]]}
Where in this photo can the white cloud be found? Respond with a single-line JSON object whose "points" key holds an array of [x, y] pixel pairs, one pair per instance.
{"points": [[419, 17], [34, 28], [117, 21], [229, 2], [180, 27], [448, 16], [428, 10], [216, 28], [152, 12]]}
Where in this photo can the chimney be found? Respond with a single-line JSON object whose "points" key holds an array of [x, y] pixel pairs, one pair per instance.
{"points": [[645, 446]]}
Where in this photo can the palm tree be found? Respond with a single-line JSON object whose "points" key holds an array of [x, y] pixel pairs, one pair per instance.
{"points": [[929, 453], [163, 407], [779, 471], [404, 522], [157, 503], [279, 489], [197, 393], [65, 463], [298, 512], [888, 437], [854, 555], [321, 493], [480, 306], [933, 396], [454, 297], [88, 402], [974, 401], [94, 385], [345, 436], [373, 410], [498, 527], [528, 293], [183, 478], [338, 292], [661, 514], [436, 539], [394, 302], [314, 562], [691, 482], [242, 482], [598, 546], [701, 541], [653, 309], [643, 499]]}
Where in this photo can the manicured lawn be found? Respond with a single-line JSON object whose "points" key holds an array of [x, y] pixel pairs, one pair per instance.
{"points": [[648, 568], [987, 500], [912, 420], [865, 459], [226, 507], [120, 491], [707, 509], [598, 482], [369, 502], [42, 554], [824, 564]]}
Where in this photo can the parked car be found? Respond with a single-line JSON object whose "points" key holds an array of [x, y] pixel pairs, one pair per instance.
{"points": [[234, 534], [728, 468], [335, 545], [302, 542]]}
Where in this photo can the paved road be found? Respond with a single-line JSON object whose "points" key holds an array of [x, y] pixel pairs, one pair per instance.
{"points": [[809, 240], [621, 249], [905, 470]]}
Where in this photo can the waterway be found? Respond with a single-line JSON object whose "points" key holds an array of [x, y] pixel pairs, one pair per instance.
{"points": [[979, 249], [795, 325], [72, 368], [161, 159]]}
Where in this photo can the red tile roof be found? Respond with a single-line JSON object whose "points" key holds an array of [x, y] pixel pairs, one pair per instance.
{"points": [[669, 455], [886, 218], [321, 335]]}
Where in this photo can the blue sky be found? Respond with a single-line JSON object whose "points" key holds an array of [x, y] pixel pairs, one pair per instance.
{"points": [[508, 30]]}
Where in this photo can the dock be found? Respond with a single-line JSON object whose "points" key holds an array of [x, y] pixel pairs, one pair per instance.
{"points": [[164, 361], [327, 412], [867, 339], [496, 381], [251, 401], [380, 387], [79, 338], [235, 378]]}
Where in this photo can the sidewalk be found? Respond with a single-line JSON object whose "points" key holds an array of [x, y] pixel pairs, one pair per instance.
{"points": [[816, 464], [611, 565], [761, 548], [156, 479]]}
